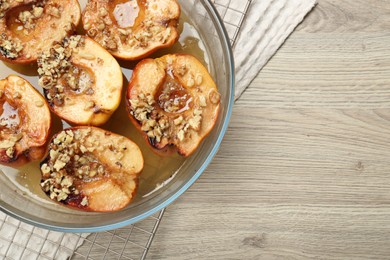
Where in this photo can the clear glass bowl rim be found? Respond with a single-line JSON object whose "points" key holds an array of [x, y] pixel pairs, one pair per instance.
{"points": [[222, 33]]}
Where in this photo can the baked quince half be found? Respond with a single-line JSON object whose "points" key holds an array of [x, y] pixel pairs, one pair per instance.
{"points": [[91, 169], [132, 29], [81, 80], [25, 122], [173, 101], [28, 27]]}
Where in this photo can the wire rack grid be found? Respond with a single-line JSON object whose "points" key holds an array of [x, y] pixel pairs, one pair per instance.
{"points": [[233, 14], [131, 242]]}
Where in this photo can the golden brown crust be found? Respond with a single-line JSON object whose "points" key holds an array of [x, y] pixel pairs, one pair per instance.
{"points": [[91, 169], [25, 122], [132, 30], [30, 26], [173, 102]]}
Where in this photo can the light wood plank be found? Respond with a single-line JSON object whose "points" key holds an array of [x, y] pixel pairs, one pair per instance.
{"points": [[304, 170]]}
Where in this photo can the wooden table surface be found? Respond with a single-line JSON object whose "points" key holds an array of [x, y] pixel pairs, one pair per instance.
{"points": [[304, 169]]}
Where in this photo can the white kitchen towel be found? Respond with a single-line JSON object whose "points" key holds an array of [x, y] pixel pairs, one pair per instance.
{"points": [[19, 240], [267, 25]]}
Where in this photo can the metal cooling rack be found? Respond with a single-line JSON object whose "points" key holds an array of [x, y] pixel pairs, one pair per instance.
{"points": [[233, 13], [131, 242]]}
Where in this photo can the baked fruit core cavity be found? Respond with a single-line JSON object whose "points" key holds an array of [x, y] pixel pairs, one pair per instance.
{"points": [[22, 20], [124, 13], [172, 96], [28, 27]]}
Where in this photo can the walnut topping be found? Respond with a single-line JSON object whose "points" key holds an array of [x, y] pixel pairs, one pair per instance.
{"points": [[39, 103], [103, 12], [87, 56], [87, 26], [180, 135], [181, 70], [9, 145], [101, 27], [10, 48], [37, 11], [16, 95], [214, 97], [55, 69], [4, 6], [100, 32], [10, 152], [54, 10], [5, 144], [123, 31], [110, 44], [45, 169], [202, 101], [100, 61], [92, 32], [147, 33], [28, 18], [70, 159], [178, 120], [156, 125], [198, 79], [194, 122], [84, 202], [190, 82], [20, 82]]}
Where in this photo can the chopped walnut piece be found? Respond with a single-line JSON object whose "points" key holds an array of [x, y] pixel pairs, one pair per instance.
{"points": [[198, 79], [181, 70], [16, 95], [45, 168], [178, 120], [39, 103], [202, 101], [156, 125], [54, 11], [10, 48], [38, 11], [215, 97], [9, 144], [5, 144], [180, 135], [84, 202], [67, 159], [54, 64], [190, 82], [10, 152], [4, 6]]}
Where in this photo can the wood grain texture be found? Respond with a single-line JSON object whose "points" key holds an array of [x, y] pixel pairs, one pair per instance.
{"points": [[304, 170]]}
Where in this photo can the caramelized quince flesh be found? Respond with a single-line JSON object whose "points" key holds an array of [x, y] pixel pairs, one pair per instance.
{"points": [[29, 27], [132, 29], [91, 169], [173, 101], [25, 122], [89, 87]]}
